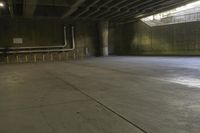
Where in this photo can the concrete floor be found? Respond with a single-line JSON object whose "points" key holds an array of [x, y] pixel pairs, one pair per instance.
{"points": [[102, 95]]}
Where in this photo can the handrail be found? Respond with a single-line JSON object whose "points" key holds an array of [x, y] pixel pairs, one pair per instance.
{"points": [[190, 17]]}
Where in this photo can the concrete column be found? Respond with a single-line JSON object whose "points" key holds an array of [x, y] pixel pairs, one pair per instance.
{"points": [[103, 37]]}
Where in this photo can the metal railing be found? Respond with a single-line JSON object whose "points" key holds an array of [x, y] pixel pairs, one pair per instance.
{"points": [[181, 18], [175, 19]]}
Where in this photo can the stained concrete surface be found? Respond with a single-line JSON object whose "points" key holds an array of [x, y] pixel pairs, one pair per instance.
{"points": [[138, 38], [102, 95]]}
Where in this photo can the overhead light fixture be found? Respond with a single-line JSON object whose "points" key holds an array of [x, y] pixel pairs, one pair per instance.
{"points": [[1, 4]]}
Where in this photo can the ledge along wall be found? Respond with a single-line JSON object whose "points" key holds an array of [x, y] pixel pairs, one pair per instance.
{"points": [[47, 32], [140, 39]]}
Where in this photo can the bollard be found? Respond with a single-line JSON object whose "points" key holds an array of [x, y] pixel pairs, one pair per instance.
{"points": [[59, 56], [51, 57], [35, 58], [26, 58], [17, 59], [43, 58], [74, 55], [67, 56], [7, 60]]}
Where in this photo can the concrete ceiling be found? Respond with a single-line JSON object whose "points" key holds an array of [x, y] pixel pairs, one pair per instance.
{"points": [[113, 10]]}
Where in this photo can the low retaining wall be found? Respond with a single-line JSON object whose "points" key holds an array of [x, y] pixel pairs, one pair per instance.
{"points": [[41, 57]]}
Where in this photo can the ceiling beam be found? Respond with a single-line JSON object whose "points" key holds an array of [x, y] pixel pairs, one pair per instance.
{"points": [[87, 8], [148, 9], [29, 7], [133, 7], [73, 8], [63, 3], [161, 9], [119, 10], [110, 8], [98, 8]]}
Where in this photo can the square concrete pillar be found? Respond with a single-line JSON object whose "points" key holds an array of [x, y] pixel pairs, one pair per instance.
{"points": [[103, 37]]}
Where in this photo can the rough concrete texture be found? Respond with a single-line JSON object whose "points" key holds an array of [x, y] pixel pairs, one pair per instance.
{"points": [[103, 35], [140, 39], [48, 32], [42, 57], [102, 95]]}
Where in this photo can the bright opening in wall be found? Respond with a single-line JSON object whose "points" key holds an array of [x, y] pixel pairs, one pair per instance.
{"points": [[1, 4], [183, 14]]}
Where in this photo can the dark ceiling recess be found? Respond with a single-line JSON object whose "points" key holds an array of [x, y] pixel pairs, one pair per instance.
{"points": [[49, 11], [112, 10], [18, 8]]}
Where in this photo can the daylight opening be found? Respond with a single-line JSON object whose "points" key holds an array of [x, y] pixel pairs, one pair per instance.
{"points": [[183, 14]]}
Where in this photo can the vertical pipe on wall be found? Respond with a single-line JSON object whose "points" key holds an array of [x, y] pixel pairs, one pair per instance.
{"points": [[103, 35], [44, 49]]}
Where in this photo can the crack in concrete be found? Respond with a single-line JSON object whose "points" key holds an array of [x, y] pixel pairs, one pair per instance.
{"points": [[106, 107]]}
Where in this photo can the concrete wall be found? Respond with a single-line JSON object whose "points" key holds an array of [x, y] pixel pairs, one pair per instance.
{"points": [[140, 39], [47, 32], [34, 33]]}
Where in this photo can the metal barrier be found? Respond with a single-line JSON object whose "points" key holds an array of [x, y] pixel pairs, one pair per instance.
{"points": [[174, 19]]}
